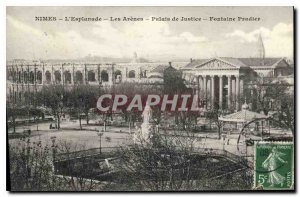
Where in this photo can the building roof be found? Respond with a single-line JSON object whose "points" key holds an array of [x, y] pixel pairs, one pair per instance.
{"points": [[242, 116], [159, 69], [235, 61], [259, 62], [196, 63], [241, 62], [162, 68]]}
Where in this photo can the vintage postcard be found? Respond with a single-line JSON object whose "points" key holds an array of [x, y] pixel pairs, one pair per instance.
{"points": [[150, 98]]}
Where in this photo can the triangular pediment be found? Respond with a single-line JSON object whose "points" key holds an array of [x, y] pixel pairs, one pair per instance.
{"points": [[216, 64]]}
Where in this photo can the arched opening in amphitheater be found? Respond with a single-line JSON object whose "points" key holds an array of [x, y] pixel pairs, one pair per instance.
{"points": [[39, 77], [131, 74], [78, 77], [118, 76], [91, 76], [67, 77], [57, 77], [48, 77], [104, 76]]}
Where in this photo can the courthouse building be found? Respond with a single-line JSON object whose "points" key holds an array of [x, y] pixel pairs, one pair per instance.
{"points": [[221, 81]]}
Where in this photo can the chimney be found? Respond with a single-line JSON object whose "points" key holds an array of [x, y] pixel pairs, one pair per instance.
{"points": [[191, 60], [170, 63]]}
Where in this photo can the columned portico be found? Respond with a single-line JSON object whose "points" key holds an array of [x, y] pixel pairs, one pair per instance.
{"points": [[215, 90], [220, 84]]}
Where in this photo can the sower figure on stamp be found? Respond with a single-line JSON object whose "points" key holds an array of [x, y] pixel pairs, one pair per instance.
{"points": [[272, 163]]}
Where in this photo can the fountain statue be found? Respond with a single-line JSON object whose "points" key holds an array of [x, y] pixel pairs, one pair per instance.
{"points": [[145, 132], [147, 114]]}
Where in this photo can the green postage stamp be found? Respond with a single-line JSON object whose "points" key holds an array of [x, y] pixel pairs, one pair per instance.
{"points": [[274, 166]]}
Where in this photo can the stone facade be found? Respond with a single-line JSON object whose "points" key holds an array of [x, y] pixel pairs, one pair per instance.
{"points": [[221, 81], [25, 77]]}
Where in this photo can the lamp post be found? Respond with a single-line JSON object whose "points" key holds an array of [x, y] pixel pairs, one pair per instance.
{"points": [[100, 134]]}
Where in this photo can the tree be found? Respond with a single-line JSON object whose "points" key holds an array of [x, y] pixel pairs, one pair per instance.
{"points": [[32, 168], [277, 98], [174, 84], [30, 165], [213, 116], [11, 113], [81, 99], [284, 108], [53, 97], [21, 109], [173, 81]]}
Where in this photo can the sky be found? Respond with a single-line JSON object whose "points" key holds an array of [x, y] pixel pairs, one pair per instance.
{"points": [[27, 38]]}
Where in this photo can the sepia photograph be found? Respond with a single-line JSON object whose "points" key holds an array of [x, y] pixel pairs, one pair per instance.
{"points": [[150, 99]]}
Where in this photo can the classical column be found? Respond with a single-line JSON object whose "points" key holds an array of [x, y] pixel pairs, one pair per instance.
{"points": [[205, 89], [241, 87], [200, 83], [201, 96], [212, 78], [17, 74], [124, 74], [229, 91], [22, 76], [237, 91], [221, 92], [100, 78], [139, 73], [110, 78], [197, 86], [97, 74], [113, 73]]}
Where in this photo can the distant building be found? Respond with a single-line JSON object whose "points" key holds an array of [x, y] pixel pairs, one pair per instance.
{"points": [[222, 80], [24, 77]]}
